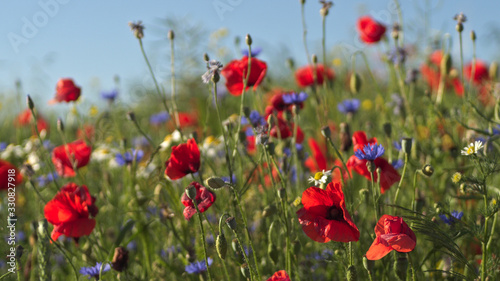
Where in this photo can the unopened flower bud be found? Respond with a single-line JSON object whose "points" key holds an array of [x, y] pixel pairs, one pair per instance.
{"points": [[370, 166], [446, 64], [406, 144], [245, 270], [282, 193], [131, 116], [29, 102], [355, 83], [248, 40], [215, 183], [120, 259], [221, 245], [368, 264], [314, 59], [270, 148], [19, 251], [206, 58], [60, 125], [235, 245], [302, 2], [171, 34], [191, 192], [387, 129], [351, 273], [269, 211], [473, 35], [231, 223], [273, 253], [345, 137], [326, 132], [459, 27], [493, 70], [270, 121], [428, 170], [290, 63]]}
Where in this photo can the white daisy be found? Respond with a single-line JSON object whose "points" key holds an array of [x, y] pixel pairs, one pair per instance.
{"points": [[472, 148], [320, 177]]}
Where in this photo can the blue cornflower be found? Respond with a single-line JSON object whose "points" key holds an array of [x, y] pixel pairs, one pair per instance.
{"points": [[140, 142], [294, 98], [287, 151], [48, 145], [227, 179], [398, 56], [370, 152], [398, 163], [128, 158], [455, 215], [198, 267], [46, 179], [349, 106], [3, 146], [93, 271], [397, 145], [110, 96], [255, 52], [249, 132], [159, 118], [256, 118], [132, 246]]}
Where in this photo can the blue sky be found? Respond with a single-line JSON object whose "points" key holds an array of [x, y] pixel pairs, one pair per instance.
{"points": [[90, 41]]}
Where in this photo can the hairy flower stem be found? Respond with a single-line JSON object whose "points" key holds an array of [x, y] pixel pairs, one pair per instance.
{"points": [[247, 232], [402, 178], [411, 266], [172, 79], [323, 46], [45, 158], [226, 146], [374, 195], [484, 243], [462, 65], [304, 32], [288, 257], [200, 219], [400, 18], [252, 273], [330, 141], [160, 95]]}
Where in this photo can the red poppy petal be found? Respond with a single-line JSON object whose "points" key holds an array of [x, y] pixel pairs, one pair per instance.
{"points": [[377, 250], [76, 228], [399, 242]]}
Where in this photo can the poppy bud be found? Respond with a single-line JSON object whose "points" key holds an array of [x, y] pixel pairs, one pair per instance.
{"points": [[29, 102], [290, 63], [269, 211], [387, 129], [493, 70], [206, 57], [326, 132], [273, 253], [345, 137], [216, 77], [270, 121], [120, 259], [406, 144], [245, 270], [314, 59], [171, 34], [302, 2], [235, 245], [131, 116], [270, 148], [368, 264], [473, 35], [351, 273], [355, 83], [191, 192], [221, 245], [60, 125], [446, 64], [401, 266], [370, 166], [231, 223], [428, 170], [248, 40], [459, 27], [19, 251], [282, 193], [215, 183]]}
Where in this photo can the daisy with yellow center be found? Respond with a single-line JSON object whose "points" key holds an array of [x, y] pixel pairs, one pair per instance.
{"points": [[472, 148], [320, 177]]}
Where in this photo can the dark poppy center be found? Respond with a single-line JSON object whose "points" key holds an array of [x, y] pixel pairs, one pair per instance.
{"points": [[335, 213]]}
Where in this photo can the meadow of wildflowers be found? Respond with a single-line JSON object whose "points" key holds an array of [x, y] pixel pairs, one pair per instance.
{"points": [[331, 172]]}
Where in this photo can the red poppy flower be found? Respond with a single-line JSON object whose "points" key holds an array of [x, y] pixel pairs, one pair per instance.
{"points": [[286, 131], [24, 119], [66, 91], [392, 234], [279, 276], [388, 175], [185, 159], [236, 70], [6, 173], [204, 199], [304, 75], [64, 156], [187, 119], [370, 31], [480, 72], [318, 160], [324, 216], [69, 212]]}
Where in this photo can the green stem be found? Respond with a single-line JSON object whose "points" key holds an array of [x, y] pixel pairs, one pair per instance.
{"points": [[226, 147], [411, 266], [323, 45], [401, 181], [339, 156], [373, 194], [200, 219], [462, 64], [174, 103], [304, 33]]}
